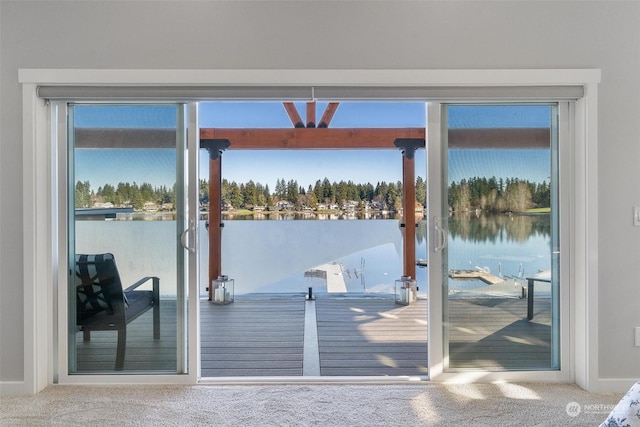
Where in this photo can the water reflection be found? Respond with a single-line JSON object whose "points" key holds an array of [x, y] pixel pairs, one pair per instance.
{"points": [[280, 216], [498, 228], [505, 246]]}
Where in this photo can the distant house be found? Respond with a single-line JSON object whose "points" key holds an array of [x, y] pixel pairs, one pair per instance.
{"points": [[106, 205], [150, 207], [350, 206], [284, 205]]}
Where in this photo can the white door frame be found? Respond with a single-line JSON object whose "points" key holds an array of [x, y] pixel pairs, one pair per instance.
{"points": [[39, 186]]}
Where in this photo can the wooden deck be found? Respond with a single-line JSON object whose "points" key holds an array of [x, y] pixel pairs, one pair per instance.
{"points": [[371, 337], [261, 336], [143, 353], [356, 336], [494, 333]]}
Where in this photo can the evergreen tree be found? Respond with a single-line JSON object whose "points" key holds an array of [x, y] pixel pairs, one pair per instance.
{"points": [[281, 189], [392, 194], [250, 195], [421, 191], [108, 193], [235, 195], [311, 200], [341, 192], [292, 191], [122, 194], [147, 193], [203, 189], [268, 200], [318, 191], [352, 191], [328, 191], [83, 194]]}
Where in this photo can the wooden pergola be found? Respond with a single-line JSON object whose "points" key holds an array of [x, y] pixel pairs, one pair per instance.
{"points": [[308, 136]]}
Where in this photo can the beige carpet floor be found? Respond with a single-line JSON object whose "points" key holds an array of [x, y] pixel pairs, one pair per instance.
{"points": [[310, 405]]}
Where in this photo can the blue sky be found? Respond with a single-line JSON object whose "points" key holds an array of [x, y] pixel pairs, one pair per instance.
{"points": [[308, 166], [158, 166]]}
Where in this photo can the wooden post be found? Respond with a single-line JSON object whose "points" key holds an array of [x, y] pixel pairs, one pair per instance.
{"points": [[215, 222], [215, 147], [409, 147], [409, 215]]}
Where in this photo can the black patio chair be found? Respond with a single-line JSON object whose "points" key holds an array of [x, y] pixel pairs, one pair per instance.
{"points": [[103, 305]]}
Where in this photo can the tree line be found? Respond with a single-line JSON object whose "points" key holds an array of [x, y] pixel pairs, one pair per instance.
{"points": [[252, 194], [488, 194], [124, 194], [498, 195], [386, 195]]}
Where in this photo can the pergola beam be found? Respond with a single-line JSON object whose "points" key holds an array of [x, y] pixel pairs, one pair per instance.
{"points": [[293, 114], [316, 138], [118, 138], [311, 114], [329, 111]]}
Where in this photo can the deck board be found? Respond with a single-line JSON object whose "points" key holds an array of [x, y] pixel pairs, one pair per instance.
{"points": [[371, 337], [253, 337], [142, 351], [493, 333]]}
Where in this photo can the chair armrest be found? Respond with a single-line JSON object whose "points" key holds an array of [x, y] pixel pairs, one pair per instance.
{"points": [[156, 286], [141, 281]]}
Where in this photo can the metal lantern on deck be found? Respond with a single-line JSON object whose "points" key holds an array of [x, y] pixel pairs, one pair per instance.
{"points": [[223, 290], [406, 290]]}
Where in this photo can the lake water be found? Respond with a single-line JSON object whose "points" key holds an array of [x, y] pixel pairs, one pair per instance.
{"points": [[273, 256]]}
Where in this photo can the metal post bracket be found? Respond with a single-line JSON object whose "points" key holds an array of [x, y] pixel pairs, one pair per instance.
{"points": [[409, 145], [215, 146]]}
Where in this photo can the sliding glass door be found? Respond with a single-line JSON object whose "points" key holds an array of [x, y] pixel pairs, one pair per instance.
{"points": [[127, 228], [497, 233]]}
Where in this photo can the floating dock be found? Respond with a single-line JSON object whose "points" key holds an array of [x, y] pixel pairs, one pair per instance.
{"points": [[487, 278], [332, 273]]}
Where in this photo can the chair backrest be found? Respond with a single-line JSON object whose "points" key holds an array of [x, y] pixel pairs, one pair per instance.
{"points": [[98, 287]]}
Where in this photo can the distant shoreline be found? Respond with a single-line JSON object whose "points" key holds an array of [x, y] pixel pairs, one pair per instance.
{"points": [[243, 214]]}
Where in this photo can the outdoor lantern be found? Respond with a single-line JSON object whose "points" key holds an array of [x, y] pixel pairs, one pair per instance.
{"points": [[406, 290], [223, 290]]}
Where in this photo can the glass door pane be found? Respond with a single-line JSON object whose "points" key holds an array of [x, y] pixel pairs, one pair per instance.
{"points": [[127, 270], [500, 268]]}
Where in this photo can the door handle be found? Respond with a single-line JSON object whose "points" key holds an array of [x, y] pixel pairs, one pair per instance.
{"points": [[441, 233], [185, 234]]}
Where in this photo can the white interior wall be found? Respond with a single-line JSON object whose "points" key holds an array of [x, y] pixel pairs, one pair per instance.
{"points": [[344, 35]]}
